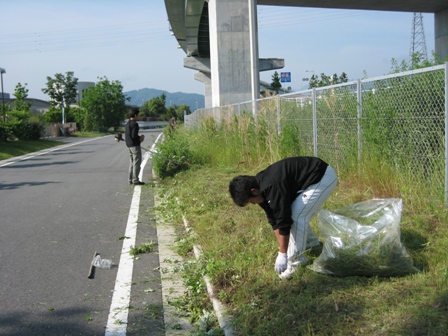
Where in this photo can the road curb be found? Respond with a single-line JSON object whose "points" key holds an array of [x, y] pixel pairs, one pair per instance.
{"points": [[224, 319], [172, 282]]}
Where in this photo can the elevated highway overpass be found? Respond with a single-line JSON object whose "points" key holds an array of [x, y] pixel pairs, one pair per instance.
{"points": [[220, 39]]}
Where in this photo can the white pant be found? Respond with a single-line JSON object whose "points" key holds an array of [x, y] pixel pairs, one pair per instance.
{"points": [[304, 207]]}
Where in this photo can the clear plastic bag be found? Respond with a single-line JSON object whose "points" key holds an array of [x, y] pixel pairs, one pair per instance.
{"points": [[102, 263], [363, 239]]}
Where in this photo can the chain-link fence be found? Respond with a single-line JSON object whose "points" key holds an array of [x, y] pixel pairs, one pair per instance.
{"points": [[396, 122]]}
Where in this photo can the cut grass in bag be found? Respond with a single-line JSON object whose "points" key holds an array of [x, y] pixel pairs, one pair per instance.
{"points": [[363, 239]]}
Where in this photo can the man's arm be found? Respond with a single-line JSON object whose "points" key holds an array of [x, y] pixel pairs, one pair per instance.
{"points": [[283, 241]]}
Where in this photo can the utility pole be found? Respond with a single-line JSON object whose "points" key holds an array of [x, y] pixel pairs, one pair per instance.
{"points": [[418, 42]]}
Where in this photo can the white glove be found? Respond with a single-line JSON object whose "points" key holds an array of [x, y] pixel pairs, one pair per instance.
{"points": [[281, 262]]}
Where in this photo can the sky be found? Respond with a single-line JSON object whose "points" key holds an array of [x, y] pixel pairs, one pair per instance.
{"points": [[130, 41]]}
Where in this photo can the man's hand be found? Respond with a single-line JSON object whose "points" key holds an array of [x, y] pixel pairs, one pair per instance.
{"points": [[281, 262], [142, 137]]}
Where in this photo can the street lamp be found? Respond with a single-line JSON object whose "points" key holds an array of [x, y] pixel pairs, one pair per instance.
{"points": [[2, 71], [60, 89]]}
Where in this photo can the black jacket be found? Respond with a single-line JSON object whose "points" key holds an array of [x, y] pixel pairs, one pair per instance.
{"points": [[282, 182], [131, 134]]}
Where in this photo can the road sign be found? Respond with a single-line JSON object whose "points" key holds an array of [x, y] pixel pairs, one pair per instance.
{"points": [[285, 77]]}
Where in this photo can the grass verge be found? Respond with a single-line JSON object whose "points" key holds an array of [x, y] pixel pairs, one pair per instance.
{"points": [[11, 149], [239, 255], [90, 134]]}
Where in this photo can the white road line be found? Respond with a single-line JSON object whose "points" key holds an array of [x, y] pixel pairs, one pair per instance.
{"points": [[119, 310]]}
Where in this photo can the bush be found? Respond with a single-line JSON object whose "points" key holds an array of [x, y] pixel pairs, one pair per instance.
{"points": [[173, 155], [27, 130], [22, 125], [53, 115], [5, 131]]}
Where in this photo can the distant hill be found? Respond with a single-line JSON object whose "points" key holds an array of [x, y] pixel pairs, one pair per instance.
{"points": [[138, 97]]}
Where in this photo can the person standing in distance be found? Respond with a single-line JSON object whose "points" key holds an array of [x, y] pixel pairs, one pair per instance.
{"points": [[172, 125], [133, 141], [290, 191]]}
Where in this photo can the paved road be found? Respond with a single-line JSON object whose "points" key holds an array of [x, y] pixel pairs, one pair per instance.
{"points": [[56, 210]]}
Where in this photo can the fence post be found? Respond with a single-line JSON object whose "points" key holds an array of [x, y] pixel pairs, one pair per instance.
{"points": [[359, 99], [314, 122], [279, 122], [446, 134], [255, 109]]}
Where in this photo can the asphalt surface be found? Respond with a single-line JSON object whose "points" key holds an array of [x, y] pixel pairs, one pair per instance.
{"points": [[56, 210]]}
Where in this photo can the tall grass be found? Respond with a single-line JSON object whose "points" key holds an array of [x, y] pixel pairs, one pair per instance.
{"points": [[240, 248]]}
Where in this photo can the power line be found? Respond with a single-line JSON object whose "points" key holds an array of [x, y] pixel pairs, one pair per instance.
{"points": [[288, 17], [83, 37]]}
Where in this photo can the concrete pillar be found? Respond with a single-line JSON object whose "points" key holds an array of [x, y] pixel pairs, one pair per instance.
{"points": [[231, 59], [441, 33], [202, 65], [203, 75], [205, 78]]}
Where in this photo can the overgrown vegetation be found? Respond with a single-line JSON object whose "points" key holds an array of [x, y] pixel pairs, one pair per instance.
{"points": [[142, 248], [239, 246], [172, 156], [18, 122]]}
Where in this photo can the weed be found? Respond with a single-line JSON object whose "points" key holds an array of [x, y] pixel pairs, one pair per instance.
{"points": [[239, 248], [143, 248]]}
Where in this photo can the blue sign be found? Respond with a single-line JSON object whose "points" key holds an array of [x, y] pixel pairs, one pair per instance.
{"points": [[285, 77]]}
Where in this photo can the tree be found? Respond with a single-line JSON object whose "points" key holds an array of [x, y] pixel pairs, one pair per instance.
{"points": [[53, 115], [417, 62], [180, 112], [327, 80], [21, 93], [155, 107], [104, 105], [276, 85], [62, 91]]}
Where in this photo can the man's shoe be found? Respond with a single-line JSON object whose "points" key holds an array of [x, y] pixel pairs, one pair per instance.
{"points": [[139, 183], [130, 182]]}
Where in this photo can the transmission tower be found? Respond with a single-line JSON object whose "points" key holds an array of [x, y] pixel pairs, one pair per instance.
{"points": [[418, 42]]}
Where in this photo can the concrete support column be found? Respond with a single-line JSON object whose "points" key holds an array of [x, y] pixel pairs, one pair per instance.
{"points": [[206, 79], [203, 75], [441, 33], [231, 60]]}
